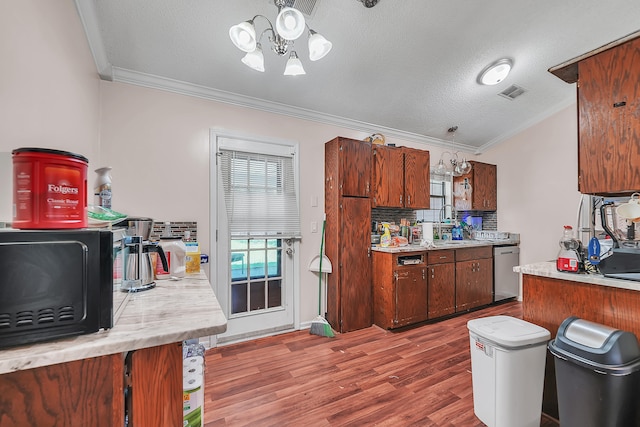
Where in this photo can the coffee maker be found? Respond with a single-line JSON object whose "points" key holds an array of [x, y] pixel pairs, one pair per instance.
{"points": [[623, 261], [139, 265]]}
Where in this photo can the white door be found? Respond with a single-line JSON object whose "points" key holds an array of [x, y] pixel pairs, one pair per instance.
{"points": [[255, 269]]}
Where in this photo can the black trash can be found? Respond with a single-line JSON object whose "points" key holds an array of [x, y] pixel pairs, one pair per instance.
{"points": [[597, 375]]}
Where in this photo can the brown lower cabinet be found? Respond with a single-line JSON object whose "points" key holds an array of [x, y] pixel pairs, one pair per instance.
{"points": [[400, 292], [411, 287], [547, 302], [90, 392], [474, 277], [441, 273]]}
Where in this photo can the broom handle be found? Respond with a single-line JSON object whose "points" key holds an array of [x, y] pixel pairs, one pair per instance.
{"points": [[320, 275]]}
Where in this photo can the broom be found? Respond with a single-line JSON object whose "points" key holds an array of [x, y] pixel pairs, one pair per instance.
{"points": [[319, 325]]}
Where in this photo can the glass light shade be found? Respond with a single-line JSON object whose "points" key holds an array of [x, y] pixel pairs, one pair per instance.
{"points": [[441, 168], [243, 36], [290, 23], [496, 72], [465, 166], [255, 59], [294, 66], [318, 46]]}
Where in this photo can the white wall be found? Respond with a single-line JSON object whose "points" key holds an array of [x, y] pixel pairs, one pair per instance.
{"points": [[49, 88], [538, 184]]}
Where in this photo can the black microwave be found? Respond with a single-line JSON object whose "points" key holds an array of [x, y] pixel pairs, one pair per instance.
{"points": [[54, 283]]}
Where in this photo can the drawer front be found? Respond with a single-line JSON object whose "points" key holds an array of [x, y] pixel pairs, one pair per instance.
{"points": [[474, 253], [441, 256]]}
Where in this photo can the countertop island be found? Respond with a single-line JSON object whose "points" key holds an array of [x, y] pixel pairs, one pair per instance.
{"points": [[82, 380], [550, 296]]}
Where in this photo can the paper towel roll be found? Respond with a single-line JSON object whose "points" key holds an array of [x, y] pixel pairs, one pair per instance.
{"points": [[193, 370], [193, 361], [192, 400], [427, 231]]}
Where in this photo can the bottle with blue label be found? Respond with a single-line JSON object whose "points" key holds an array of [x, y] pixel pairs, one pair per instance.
{"points": [[456, 232]]}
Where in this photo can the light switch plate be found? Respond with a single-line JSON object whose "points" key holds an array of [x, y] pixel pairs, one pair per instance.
{"points": [[314, 227]]}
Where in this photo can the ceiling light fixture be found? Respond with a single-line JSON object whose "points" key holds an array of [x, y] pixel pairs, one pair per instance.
{"points": [[495, 72], [290, 25], [455, 167]]}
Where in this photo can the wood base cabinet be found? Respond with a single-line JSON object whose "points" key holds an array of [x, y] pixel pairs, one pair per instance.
{"points": [[441, 275], [90, 392], [474, 278], [547, 302], [399, 298], [348, 234]]}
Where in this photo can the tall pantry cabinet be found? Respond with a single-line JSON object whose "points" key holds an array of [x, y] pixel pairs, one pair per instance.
{"points": [[348, 233]]}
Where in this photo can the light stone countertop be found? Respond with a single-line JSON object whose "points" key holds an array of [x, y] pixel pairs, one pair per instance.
{"points": [[171, 312], [548, 269], [450, 244]]}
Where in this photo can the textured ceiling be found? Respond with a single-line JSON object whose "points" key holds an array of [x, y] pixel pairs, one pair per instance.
{"points": [[403, 67]]}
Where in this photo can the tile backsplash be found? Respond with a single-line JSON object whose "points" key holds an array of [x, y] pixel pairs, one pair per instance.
{"points": [[489, 219], [177, 229]]}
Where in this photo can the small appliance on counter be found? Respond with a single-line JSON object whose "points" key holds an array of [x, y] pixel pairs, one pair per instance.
{"points": [[139, 265], [54, 283], [569, 258], [623, 261]]}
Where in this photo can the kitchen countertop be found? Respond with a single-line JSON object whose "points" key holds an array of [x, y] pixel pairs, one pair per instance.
{"points": [[450, 244], [171, 312], [548, 269]]}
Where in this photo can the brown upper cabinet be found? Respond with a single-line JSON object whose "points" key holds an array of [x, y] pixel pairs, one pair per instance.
{"points": [[401, 177], [608, 116], [609, 121], [484, 188], [350, 171]]}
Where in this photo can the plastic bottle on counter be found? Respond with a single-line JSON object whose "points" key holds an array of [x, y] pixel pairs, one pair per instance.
{"points": [[175, 251], [569, 256], [193, 254]]}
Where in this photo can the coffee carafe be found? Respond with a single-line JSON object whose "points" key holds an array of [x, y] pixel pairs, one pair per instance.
{"points": [[139, 266]]}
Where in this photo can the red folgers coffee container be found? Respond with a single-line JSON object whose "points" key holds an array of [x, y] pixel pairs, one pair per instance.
{"points": [[49, 189]]}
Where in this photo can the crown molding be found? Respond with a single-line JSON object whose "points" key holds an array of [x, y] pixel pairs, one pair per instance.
{"points": [[123, 75]]}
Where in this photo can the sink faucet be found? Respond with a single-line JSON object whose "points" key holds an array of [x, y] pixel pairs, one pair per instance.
{"points": [[441, 217]]}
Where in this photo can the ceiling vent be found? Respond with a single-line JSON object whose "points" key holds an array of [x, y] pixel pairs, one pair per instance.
{"points": [[307, 7], [512, 92]]}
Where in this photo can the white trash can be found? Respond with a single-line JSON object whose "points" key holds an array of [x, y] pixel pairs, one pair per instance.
{"points": [[507, 369]]}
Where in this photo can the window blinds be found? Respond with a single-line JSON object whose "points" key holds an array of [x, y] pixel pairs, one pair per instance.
{"points": [[259, 194]]}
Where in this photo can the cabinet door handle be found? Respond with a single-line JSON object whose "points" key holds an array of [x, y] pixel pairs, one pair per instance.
{"points": [[619, 104], [409, 200], [432, 273], [401, 199]]}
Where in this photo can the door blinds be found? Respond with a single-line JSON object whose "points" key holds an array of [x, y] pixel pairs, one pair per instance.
{"points": [[259, 194]]}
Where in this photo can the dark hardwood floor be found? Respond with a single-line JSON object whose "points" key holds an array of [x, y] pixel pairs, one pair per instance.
{"points": [[417, 377]]}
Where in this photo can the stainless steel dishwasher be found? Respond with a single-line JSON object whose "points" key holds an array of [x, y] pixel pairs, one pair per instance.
{"points": [[506, 283]]}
